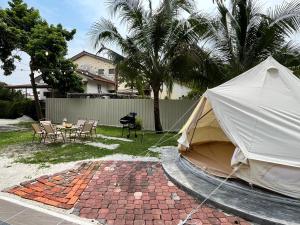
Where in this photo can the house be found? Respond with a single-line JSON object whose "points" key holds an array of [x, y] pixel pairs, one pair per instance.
{"points": [[99, 78], [2, 84], [97, 73]]}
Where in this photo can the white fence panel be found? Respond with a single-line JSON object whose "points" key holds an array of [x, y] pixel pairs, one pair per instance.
{"points": [[174, 113]]}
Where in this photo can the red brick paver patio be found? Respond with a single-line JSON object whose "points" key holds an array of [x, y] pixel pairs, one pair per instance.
{"points": [[60, 190], [117, 192]]}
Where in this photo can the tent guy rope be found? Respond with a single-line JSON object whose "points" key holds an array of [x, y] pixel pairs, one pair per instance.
{"points": [[159, 142], [189, 216]]}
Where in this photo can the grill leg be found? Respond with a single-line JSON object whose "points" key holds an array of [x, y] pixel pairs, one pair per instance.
{"points": [[128, 136]]}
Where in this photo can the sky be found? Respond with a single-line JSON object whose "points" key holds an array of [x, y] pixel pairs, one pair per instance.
{"points": [[81, 14]]}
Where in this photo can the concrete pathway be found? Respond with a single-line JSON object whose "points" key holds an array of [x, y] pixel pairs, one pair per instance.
{"points": [[8, 128], [15, 121], [9, 124], [121, 193], [14, 214]]}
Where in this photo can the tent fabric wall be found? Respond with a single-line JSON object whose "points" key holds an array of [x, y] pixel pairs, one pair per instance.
{"points": [[278, 178], [257, 113], [209, 147], [213, 157], [204, 124]]}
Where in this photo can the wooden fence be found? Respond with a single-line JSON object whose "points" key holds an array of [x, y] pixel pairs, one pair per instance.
{"points": [[174, 113]]}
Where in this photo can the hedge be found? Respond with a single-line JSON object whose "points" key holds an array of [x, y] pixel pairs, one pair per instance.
{"points": [[16, 109]]}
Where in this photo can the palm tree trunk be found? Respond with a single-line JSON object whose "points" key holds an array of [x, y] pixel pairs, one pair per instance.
{"points": [[36, 97], [157, 123], [116, 79]]}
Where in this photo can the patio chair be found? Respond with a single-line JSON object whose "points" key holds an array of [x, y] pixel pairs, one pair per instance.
{"points": [[94, 128], [52, 133], [45, 122], [80, 123], [37, 130], [86, 130]]}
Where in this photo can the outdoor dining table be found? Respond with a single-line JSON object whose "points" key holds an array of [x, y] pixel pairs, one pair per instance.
{"points": [[67, 130]]}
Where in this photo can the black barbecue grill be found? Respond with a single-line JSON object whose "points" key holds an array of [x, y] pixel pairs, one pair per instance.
{"points": [[129, 123]]}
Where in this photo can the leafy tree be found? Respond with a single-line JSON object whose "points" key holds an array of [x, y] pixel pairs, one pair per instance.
{"points": [[45, 44], [130, 77], [9, 37], [47, 48], [63, 78], [9, 95], [150, 46]]}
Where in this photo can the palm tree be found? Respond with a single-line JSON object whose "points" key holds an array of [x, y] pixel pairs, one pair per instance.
{"points": [[151, 43], [240, 36]]}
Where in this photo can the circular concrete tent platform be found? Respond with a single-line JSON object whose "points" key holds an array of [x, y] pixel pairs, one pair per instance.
{"points": [[234, 197]]}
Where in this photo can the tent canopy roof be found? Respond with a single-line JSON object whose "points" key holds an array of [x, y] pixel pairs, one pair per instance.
{"points": [[259, 111]]}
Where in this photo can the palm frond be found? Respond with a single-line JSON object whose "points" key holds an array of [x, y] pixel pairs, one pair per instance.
{"points": [[113, 55], [286, 16], [131, 12], [104, 31], [289, 55]]}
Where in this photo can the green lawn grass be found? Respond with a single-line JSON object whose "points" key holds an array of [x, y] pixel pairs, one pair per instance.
{"points": [[25, 124], [14, 137], [59, 152]]}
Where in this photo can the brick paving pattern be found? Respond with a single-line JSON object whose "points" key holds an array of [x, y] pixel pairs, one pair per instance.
{"points": [[145, 196], [60, 190], [121, 193]]}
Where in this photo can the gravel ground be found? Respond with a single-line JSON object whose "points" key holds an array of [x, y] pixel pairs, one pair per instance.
{"points": [[14, 151], [114, 138], [101, 145]]}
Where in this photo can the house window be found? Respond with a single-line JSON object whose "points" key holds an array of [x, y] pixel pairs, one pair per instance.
{"points": [[111, 71], [99, 89], [100, 71]]}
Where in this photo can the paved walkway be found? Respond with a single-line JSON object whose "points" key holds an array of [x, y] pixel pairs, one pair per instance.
{"points": [[118, 192], [61, 190], [7, 128], [13, 214]]}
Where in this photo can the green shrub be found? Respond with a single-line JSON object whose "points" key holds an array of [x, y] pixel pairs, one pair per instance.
{"points": [[30, 110], [15, 109], [4, 108], [139, 123], [13, 104], [10, 95]]}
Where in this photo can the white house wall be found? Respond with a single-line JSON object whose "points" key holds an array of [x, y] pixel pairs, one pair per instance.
{"points": [[92, 87], [42, 91], [178, 92], [93, 65]]}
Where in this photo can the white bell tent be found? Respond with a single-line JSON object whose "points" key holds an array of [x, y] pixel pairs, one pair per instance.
{"points": [[251, 123]]}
